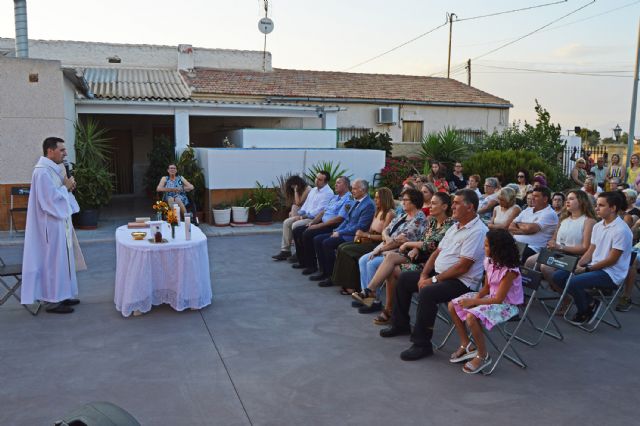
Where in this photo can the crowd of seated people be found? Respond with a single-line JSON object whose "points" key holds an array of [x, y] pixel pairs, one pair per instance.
{"points": [[452, 244]]}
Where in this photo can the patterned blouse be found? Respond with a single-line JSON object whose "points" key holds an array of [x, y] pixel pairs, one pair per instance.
{"points": [[434, 234], [412, 228]]}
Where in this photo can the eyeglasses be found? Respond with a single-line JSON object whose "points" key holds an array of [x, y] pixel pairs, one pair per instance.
{"points": [[520, 176]]}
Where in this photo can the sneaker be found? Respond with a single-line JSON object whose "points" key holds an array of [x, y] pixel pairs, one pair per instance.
{"points": [[595, 311], [283, 255], [416, 352], [624, 304], [579, 319], [375, 306]]}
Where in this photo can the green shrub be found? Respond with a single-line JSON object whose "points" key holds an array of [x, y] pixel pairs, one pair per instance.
{"points": [[264, 198], [161, 155], [189, 168], [372, 140], [94, 182], [396, 170], [505, 164], [335, 171], [445, 147]]}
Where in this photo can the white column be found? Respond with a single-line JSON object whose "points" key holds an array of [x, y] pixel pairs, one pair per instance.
{"points": [[181, 127], [330, 120]]}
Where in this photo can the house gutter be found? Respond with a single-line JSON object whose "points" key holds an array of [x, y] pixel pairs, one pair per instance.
{"points": [[387, 102], [182, 104]]}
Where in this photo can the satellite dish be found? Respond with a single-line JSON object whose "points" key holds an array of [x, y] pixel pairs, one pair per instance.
{"points": [[265, 25]]}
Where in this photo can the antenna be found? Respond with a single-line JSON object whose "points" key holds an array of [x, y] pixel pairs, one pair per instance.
{"points": [[265, 25]]}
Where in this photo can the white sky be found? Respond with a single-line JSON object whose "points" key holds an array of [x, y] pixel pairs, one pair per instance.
{"points": [[338, 34]]}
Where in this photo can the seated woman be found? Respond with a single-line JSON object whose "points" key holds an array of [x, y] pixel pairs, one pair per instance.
{"points": [[495, 303], [573, 235], [427, 189], [505, 211], [346, 272], [410, 257], [175, 187], [409, 226], [297, 190], [489, 199]]}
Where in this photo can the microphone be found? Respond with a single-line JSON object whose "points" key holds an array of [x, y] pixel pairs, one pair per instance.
{"points": [[67, 167]]}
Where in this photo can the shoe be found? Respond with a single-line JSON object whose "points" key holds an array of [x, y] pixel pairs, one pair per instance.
{"points": [[484, 363], [59, 308], [70, 302], [356, 304], [463, 353], [579, 319], [325, 283], [318, 277], [595, 311], [416, 352], [283, 255], [309, 271], [363, 298], [298, 266], [382, 319], [624, 304], [376, 306], [293, 258], [394, 331]]}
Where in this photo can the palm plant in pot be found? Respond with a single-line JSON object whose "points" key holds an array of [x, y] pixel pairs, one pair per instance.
{"points": [[264, 202], [240, 209], [94, 182], [221, 214]]}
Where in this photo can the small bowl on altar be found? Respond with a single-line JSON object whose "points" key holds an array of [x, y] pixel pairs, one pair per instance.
{"points": [[138, 235]]}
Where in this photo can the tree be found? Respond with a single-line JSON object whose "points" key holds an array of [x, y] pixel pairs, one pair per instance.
{"points": [[624, 138], [590, 137]]}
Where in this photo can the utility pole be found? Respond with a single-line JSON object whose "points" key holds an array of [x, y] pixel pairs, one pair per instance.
{"points": [[634, 102], [468, 72], [450, 31]]}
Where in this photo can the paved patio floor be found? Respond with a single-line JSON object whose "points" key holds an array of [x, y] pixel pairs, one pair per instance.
{"points": [[274, 349]]}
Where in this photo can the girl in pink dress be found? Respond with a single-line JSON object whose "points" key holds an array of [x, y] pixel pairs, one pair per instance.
{"points": [[495, 303]]}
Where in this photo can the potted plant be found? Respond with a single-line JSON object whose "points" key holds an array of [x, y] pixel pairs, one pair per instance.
{"points": [[240, 209], [94, 182], [264, 201], [221, 214]]}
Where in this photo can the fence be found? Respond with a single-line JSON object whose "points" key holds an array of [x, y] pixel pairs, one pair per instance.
{"points": [[591, 155], [346, 133], [470, 135]]}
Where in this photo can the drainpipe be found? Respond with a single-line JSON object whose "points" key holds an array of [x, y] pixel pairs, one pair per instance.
{"points": [[22, 38]]}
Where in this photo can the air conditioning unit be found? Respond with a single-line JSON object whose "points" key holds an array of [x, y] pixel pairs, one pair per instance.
{"points": [[387, 115]]}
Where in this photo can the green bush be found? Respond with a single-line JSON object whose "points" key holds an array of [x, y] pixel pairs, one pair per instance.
{"points": [[505, 164], [161, 155], [445, 147], [94, 182], [189, 168], [372, 140], [396, 170], [335, 171], [264, 197]]}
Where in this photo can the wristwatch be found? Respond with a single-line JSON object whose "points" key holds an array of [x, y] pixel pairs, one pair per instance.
{"points": [[587, 268], [434, 279]]}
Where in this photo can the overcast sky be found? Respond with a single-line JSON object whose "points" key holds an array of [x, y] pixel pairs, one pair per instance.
{"points": [[339, 34]]}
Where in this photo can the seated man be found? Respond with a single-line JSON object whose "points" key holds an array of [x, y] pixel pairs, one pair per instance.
{"points": [[357, 215], [315, 203], [453, 269], [535, 225], [174, 187], [323, 223], [605, 263]]}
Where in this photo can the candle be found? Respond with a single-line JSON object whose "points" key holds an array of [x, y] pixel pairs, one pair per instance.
{"points": [[176, 210], [187, 227]]}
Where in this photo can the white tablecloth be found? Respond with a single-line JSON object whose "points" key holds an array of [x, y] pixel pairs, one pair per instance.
{"points": [[149, 274]]}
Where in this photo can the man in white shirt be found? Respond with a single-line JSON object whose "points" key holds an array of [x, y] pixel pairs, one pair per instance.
{"points": [[316, 201], [605, 263], [453, 269], [535, 225]]}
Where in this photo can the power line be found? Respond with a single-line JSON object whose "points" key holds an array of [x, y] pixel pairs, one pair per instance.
{"points": [[511, 11], [541, 71], [534, 31]]}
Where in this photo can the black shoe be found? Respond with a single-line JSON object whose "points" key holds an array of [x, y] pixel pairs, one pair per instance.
{"points": [[356, 304], [318, 277], [326, 283], [375, 307], [394, 331], [595, 311], [579, 319], [59, 308], [416, 352], [297, 266], [293, 258], [70, 302], [283, 255], [309, 271]]}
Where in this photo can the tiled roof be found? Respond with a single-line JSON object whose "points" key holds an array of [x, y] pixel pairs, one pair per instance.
{"points": [[330, 85], [131, 83]]}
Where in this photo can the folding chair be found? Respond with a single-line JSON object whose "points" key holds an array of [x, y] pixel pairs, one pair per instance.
{"points": [[531, 281], [14, 272], [560, 261], [16, 191], [521, 248], [608, 301]]}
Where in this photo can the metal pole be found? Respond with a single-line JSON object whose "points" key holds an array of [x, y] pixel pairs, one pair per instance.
{"points": [[469, 72], [450, 31], [634, 102]]}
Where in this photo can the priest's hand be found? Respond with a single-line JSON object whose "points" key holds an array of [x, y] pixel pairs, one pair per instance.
{"points": [[70, 183]]}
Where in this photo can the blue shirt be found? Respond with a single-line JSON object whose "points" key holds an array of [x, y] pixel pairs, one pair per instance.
{"points": [[336, 204]]}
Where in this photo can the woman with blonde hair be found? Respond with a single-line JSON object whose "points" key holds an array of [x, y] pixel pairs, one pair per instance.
{"points": [[579, 172], [633, 171], [505, 211], [614, 170], [346, 272]]}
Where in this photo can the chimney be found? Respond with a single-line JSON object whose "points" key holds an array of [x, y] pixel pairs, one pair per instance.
{"points": [[22, 38], [186, 60]]}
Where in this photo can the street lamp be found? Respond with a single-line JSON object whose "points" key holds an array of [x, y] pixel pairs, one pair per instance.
{"points": [[616, 132]]}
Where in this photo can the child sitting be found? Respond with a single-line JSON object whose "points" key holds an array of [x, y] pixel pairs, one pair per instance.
{"points": [[496, 302]]}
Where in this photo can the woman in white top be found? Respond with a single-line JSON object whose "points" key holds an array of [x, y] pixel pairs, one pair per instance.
{"points": [[505, 211], [573, 235]]}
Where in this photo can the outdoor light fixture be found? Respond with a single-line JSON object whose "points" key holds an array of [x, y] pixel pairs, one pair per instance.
{"points": [[616, 132]]}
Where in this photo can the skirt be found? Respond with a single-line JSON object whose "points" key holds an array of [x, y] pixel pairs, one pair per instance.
{"points": [[346, 272], [489, 315]]}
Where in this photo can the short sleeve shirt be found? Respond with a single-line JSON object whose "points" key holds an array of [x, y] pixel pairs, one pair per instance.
{"points": [[546, 218], [464, 241], [615, 235]]}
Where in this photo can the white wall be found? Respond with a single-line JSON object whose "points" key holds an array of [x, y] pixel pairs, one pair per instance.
{"points": [[241, 168], [282, 138]]}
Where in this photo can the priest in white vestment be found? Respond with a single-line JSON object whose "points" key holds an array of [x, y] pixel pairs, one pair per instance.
{"points": [[48, 265]]}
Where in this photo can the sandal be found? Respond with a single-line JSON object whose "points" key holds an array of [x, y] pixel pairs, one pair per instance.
{"points": [[463, 353], [383, 318], [484, 363], [346, 291]]}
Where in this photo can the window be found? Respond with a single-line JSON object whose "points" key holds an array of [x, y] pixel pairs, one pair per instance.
{"points": [[412, 131], [504, 113]]}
